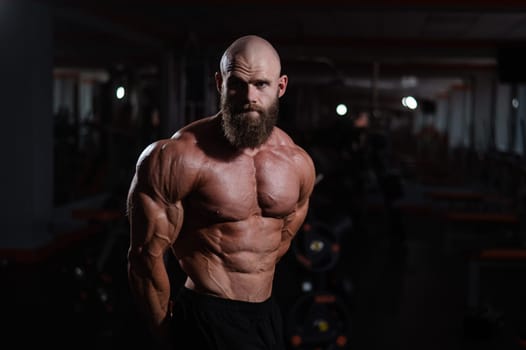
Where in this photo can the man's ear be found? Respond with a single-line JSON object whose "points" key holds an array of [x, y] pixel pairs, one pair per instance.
{"points": [[219, 81], [282, 85]]}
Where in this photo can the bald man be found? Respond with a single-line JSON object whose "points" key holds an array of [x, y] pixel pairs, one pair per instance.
{"points": [[226, 195]]}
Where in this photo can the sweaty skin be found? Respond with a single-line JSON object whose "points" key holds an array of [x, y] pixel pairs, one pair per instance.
{"points": [[227, 213]]}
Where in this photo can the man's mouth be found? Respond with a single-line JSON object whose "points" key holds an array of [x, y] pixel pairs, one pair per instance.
{"points": [[252, 109]]}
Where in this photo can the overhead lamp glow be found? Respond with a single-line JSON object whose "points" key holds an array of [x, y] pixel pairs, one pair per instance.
{"points": [[306, 286], [515, 103], [341, 109], [120, 92], [409, 102]]}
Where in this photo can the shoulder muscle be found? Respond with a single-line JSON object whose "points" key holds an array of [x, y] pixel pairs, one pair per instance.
{"points": [[166, 169]]}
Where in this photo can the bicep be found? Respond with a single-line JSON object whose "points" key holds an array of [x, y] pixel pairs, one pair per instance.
{"points": [[154, 200], [307, 179], [154, 224]]}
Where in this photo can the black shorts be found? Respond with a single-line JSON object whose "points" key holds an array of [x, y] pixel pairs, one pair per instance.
{"points": [[206, 322]]}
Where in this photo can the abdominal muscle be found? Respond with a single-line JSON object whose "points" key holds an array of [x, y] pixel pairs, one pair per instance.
{"points": [[233, 260]]}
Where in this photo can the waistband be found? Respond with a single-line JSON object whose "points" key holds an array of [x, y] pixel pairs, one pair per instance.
{"points": [[210, 301]]}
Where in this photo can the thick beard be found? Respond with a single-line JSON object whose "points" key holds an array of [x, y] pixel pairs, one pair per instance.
{"points": [[243, 131]]}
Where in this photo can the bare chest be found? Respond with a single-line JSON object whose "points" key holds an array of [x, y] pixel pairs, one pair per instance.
{"points": [[266, 184]]}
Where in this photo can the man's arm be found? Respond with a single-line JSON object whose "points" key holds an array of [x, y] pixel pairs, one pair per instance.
{"points": [[154, 226], [293, 222]]}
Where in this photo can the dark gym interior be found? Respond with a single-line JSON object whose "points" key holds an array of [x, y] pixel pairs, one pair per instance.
{"points": [[413, 112]]}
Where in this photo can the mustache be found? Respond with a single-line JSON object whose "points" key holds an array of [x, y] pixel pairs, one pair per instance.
{"points": [[249, 108]]}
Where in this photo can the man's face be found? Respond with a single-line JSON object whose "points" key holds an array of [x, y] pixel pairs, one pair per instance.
{"points": [[248, 124]]}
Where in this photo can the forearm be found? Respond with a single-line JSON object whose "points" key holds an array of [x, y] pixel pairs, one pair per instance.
{"points": [[150, 289]]}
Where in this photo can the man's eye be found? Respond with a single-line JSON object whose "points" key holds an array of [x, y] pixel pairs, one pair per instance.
{"points": [[261, 84]]}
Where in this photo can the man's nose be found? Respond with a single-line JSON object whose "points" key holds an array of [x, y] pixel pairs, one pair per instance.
{"points": [[251, 93]]}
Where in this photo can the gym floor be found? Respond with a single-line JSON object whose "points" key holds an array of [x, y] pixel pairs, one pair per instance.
{"points": [[402, 282]]}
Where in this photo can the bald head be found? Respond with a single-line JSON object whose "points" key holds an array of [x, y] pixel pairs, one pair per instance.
{"points": [[250, 48]]}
